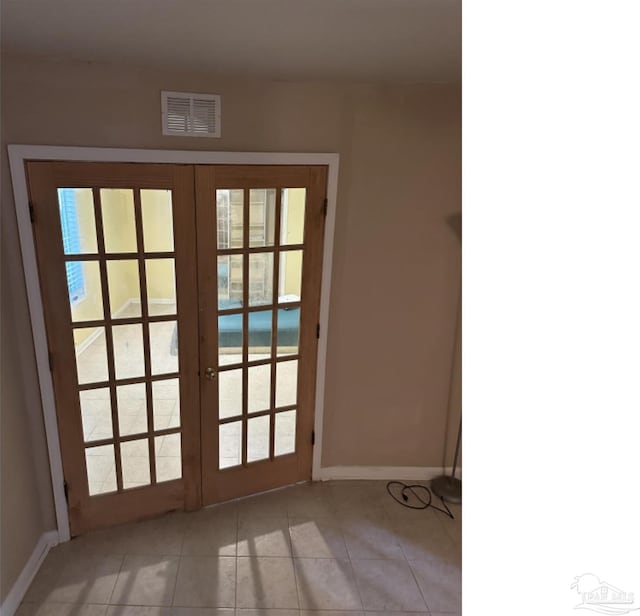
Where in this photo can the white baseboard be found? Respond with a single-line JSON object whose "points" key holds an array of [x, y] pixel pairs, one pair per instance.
{"points": [[389, 473], [160, 300], [19, 589]]}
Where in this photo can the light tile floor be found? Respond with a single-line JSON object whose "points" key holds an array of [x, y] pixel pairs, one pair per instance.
{"points": [[132, 414], [336, 547]]}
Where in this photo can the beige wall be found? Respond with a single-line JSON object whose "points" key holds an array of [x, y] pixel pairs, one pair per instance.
{"points": [[396, 262], [26, 505], [21, 516]]}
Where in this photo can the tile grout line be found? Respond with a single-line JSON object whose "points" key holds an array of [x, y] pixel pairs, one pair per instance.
{"points": [[113, 590], [175, 584], [235, 594], [293, 562], [415, 579], [353, 572], [413, 575], [295, 580]]}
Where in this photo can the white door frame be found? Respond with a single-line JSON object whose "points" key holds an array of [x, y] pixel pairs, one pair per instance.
{"points": [[18, 154]]}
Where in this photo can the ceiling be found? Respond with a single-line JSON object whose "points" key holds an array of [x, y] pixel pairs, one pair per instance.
{"points": [[417, 41]]}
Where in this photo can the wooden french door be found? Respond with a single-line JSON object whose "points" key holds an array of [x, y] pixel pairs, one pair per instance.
{"points": [[117, 265], [260, 231], [182, 376]]}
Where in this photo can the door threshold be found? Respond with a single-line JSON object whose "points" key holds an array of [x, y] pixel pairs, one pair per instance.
{"points": [[243, 498]]}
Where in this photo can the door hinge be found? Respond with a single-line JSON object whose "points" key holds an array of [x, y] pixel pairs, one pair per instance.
{"points": [[313, 437], [318, 330], [325, 206], [32, 213], [66, 491]]}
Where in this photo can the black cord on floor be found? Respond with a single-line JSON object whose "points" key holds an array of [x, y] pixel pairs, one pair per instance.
{"points": [[403, 497]]}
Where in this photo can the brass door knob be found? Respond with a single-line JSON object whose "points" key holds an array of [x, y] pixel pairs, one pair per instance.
{"points": [[210, 374]]}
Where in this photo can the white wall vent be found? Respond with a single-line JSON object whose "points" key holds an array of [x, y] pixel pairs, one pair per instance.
{"points": [[190, 115]]}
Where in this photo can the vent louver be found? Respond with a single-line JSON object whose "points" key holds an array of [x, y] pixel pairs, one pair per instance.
{"points": [[190, 115]]}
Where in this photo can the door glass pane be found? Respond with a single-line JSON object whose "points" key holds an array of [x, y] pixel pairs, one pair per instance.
{"points": [[161, 286], [95, 407], [260, 279], [166, 404], [85, 290], [135, 463], [290, 280], [292, 215], [229, 282], [288, 331], [77, 221], [230, 393], [258, 438], [163, 343], [229, 339], [286, 383], [101, 469], [128, 351], [123, 278], [168, 457], [285, 437], [91, 354], [229, 214], [259, 388], [260, 334], [230, 444], [262, 216], [132, 408], [118, 220], [157, 220]]}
